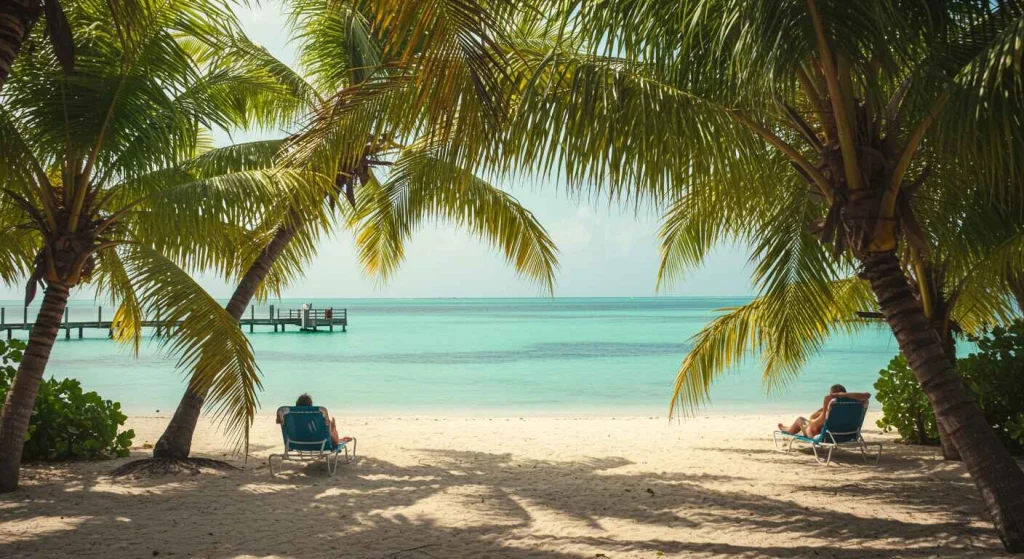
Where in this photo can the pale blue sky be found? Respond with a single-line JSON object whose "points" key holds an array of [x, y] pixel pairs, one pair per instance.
{"points": [[604, 251]]}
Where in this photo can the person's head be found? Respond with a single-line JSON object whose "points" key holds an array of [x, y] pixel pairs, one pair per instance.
{"points": [[304, 400], [836, 389]]}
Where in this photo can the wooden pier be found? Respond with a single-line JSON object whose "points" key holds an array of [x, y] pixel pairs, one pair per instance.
{"points": [[306, 319]]}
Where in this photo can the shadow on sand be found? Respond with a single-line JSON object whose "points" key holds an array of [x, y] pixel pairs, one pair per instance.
{"points": [[374, 508]]}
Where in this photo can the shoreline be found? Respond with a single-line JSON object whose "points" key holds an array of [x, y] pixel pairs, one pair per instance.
{"points": [[562, 412]]}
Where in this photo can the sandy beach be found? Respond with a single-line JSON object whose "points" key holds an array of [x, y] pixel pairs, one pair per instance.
{"points": [[510, 487]]}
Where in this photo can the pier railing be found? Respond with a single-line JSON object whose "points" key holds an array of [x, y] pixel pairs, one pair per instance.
{"points": [[99, 318]]}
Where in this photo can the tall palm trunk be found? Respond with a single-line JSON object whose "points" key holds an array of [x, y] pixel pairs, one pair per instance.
{"points": [[16, 19], [176, 441], [994, 471], [22, 397], [949, 451]]}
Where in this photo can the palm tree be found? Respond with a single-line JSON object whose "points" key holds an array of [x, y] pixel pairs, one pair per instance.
{"points": [[107, 179], [961, 281], [352, 84], [794, 114]]}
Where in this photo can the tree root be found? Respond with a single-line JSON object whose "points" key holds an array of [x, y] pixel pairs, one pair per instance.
{"points": [[164, 466]]}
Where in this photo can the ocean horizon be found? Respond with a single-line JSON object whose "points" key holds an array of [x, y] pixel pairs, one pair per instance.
{"points": [[475, 356]]}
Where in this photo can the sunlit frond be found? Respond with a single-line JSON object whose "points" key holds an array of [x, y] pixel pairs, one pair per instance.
{"points": [[783, 327], [421, 188], [118, 156], [206, 340]]}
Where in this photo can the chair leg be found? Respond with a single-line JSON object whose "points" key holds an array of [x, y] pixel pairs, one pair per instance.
{"points": [[270, 462], [827, 457], [786, 446]]}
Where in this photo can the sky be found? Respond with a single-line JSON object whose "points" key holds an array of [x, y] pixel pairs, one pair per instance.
{"points": [[604, 251]]}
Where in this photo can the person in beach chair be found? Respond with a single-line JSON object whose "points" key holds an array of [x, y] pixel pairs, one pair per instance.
{"points": [[310, 433], [837, 423]]}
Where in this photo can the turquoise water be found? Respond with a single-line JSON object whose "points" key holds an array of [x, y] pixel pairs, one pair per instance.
{"points": [[478, 356]]}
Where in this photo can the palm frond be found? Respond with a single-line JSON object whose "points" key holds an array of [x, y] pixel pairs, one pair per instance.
{"points": [[423, 187], [783, 327], [205, 339]]}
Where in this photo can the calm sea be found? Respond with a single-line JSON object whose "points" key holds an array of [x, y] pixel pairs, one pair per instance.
{"points": [[478, 356]]}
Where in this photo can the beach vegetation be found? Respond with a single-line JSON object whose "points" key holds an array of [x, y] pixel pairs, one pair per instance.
{"points": [[995, 376], [110, 179], [905, 407], [67, 423], [993, 373]]}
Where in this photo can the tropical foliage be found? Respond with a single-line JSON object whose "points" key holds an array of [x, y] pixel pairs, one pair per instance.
{"points": [[17, 17], [67, 423], [363, 101], [833, 138], [905, 407], [109, 179], [993, 375]]}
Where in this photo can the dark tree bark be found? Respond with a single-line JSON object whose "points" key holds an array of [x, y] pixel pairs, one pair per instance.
{"points": [[176, 441], [999, 478], [22, 397], [16, 19], [949, 451]]}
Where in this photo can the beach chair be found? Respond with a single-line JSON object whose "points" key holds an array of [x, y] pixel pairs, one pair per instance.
{"points": [[841, 430], [307, 436]]}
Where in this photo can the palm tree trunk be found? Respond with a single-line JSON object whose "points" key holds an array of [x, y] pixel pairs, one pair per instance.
{"points": [[22, 397], [949, 451], [994, 471], [16, 19], [176, 441]]}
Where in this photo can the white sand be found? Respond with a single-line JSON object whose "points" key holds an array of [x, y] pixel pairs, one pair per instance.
{"points": [[533, 487]]}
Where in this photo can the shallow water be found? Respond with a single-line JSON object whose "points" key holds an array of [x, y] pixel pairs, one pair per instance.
{"points": [[479, 356]]}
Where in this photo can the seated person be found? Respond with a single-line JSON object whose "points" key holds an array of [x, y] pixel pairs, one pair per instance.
{"points": [[811, 427], [307, 400]]}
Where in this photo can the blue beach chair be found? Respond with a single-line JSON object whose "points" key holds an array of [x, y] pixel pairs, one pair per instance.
{"points": [[307, 436], [842, 429]]}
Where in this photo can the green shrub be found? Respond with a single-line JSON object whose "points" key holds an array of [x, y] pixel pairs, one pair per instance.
{"points": [[994, 374], [66, 422], [905, 407]]}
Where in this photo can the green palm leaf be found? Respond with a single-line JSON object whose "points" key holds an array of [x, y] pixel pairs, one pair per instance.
{"points": [[206, 340], [423, 187]]}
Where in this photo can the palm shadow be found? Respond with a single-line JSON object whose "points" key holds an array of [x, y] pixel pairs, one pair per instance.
{"points": [[501, 505]]}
